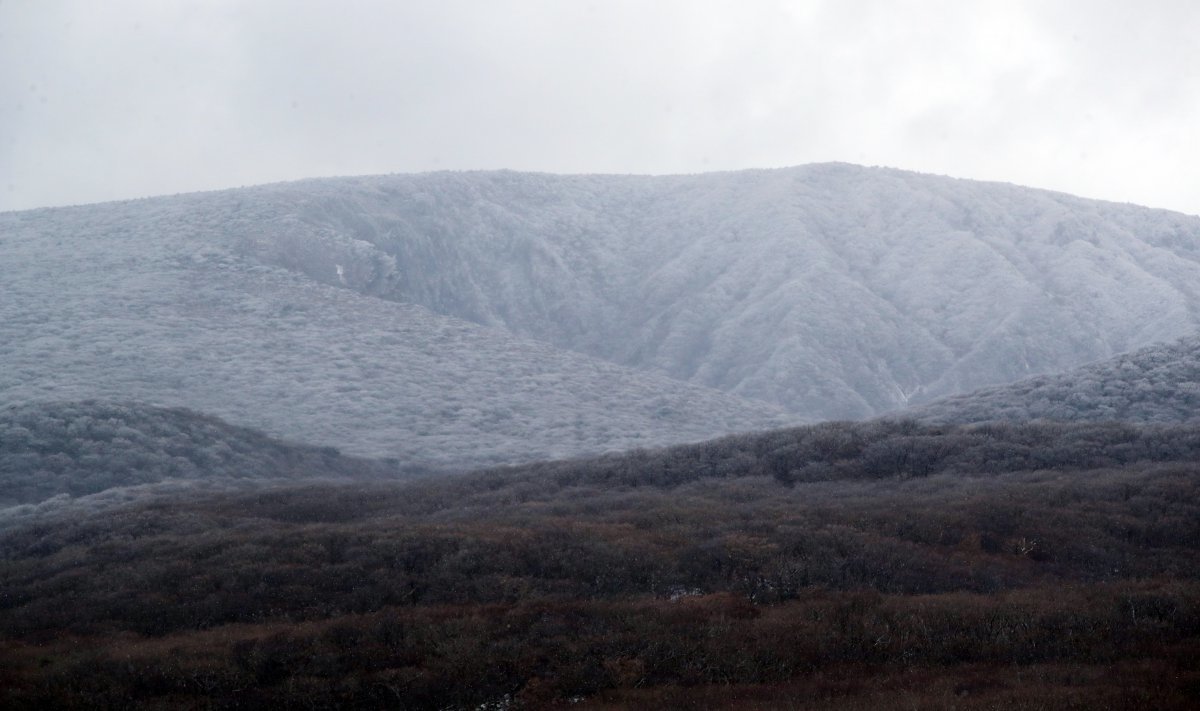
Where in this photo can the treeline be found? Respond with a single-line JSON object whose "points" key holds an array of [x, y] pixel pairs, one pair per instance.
{"points": [[1031, 566], [81, 448], [882, 449]]}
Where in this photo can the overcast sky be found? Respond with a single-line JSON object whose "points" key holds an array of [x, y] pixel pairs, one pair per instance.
{"points": [[114, 99]]}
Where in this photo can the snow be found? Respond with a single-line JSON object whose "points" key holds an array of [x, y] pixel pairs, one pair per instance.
{"points": [[132, 301], [830, 290], [499, 316]]}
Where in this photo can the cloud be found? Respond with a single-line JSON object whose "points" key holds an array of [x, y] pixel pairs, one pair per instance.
{"points": [[134, 97]]}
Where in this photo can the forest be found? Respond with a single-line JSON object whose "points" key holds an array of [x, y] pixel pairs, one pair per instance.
{"points": [[73, 449], [1156, 384], [842, 565]]}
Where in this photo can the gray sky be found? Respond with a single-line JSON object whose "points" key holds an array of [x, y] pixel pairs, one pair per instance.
{"points": [[115, 99]]}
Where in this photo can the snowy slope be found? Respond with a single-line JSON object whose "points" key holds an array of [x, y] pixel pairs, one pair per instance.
{"points": [[1159, 384], [833, 290], [138, 301], [499, 316]]}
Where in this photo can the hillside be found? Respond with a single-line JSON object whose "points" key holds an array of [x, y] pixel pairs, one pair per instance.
{"points": [[1157, 384], [833, 290], [477, 318], [84, 448], [838, 566], [140, 301]]}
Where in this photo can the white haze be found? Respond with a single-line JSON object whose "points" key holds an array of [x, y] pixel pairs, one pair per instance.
{"points": [[129, 98]]}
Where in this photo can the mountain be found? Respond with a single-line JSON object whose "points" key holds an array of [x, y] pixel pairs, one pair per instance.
{"points": [[1157, 384], [140, 302], [835, 291], [473, 318]]}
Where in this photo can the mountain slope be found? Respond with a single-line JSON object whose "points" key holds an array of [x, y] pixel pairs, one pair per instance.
{"points": [[139, 301], [1158, 384], [607, 310], [833, 290]]}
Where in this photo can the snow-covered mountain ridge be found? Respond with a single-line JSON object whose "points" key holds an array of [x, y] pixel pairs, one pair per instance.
{"points": [[495, 316], [832, 290]]}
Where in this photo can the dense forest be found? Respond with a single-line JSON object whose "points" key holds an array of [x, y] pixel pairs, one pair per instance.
{"points": [[885, 564]]}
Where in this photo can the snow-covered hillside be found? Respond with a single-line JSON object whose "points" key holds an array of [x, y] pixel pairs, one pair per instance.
{"points": [[499, 316], [835, 291], [139, 301], [84, 448], [1159, 384]]}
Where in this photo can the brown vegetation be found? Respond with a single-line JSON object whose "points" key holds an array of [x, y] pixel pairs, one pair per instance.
{"points": [[839, 566]]}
